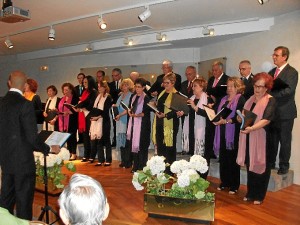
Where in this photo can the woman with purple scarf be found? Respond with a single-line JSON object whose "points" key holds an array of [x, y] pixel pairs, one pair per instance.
{"points": [[139, 126], [227, 136]]}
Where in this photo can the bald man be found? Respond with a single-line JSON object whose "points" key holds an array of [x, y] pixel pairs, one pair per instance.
{"points": [[18, 140]]}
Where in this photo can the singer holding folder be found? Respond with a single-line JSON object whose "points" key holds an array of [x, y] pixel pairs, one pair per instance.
{"points": [[68, 119], [18, 140], [227, 136], [166, 122]]}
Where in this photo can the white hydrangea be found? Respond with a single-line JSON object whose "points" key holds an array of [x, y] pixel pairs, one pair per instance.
{"points": [[198, 163], [156, 164], [64, 154], [179, 166], [186, 177], [137, 185]]}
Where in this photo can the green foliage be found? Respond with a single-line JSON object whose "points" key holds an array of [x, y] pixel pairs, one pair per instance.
{"points": [[54, 173]]}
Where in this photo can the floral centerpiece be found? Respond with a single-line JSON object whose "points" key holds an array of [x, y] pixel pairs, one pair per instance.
{"points": [[186, 183], [54, 162]]}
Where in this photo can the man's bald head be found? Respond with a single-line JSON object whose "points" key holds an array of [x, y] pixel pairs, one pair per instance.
{"points": [[17, 79], [133, 76]]}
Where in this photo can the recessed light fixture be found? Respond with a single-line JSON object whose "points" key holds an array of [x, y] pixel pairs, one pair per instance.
{"points": [[208, 31], [128, 41], [51, 35], [161, 37]]}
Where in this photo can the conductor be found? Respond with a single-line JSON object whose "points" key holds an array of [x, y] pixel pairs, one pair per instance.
{"points": [[18, 140]]}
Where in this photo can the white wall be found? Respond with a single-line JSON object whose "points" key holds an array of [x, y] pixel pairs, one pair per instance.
{"points": [[258, 48]]}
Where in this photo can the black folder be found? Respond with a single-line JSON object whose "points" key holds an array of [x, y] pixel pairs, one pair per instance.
{"points": [[114, 111], [248, 118], [51, 114], [179, 103], [212, 116]]}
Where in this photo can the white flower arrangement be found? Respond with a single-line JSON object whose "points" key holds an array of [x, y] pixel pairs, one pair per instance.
{"points": [[54, 163], [187, 183]]}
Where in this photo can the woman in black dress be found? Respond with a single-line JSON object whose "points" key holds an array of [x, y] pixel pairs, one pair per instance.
{"points": [[166, 122], [139, 126]]}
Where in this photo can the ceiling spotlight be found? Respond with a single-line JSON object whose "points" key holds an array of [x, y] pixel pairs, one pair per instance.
{"points": [[128, 41], [145, 15], [89, 48], [208, 31], [261, 2], [51, 35], [161, 37], [101, 23], [8, 43]]}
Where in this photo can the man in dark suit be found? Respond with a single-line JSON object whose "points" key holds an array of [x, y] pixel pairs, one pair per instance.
{"points": [[167, 67], [216, 89], [186, 86], [79, 88], [286, 107], [18, 140], [100, 76], [115, 90], [246, 77]]}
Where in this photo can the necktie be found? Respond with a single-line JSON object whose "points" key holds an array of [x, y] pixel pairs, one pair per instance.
{"points": [[117, 85], [80, 90], [276, 73], [189, 89], [215, 82]]}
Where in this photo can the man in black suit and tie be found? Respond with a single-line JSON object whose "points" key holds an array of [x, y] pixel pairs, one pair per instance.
{"points": [[286, 107], [217, 84], [167, 67], [18, 140], [246, 77], [186, 86], [79, 88], [115, 90], [216, 89]]}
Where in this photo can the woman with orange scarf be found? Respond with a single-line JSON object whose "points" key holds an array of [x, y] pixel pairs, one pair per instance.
{"points": [[254, 143]]}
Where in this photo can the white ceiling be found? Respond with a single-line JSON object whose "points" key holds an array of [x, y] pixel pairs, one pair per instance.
{"points": [[181, 20]]}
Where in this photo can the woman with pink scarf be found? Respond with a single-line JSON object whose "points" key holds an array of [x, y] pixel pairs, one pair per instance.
{"points": [[139, 126], [254, 145], [68, 119]]}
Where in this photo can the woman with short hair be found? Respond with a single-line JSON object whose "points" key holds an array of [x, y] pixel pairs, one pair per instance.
{"points": [[255, 149]]}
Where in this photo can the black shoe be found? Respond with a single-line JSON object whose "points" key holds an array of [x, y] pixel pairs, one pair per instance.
{"points": [[84, 160], [282, 171], [98, 164], [107, 164], [121, 165], [91, 160]]}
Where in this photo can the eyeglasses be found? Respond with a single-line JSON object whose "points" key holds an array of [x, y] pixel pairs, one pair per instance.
{"points": [[275, 55], [166, 82], [259, 86], [242, 69]]}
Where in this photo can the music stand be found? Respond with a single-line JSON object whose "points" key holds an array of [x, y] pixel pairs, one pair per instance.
{"points": [[47, 208]]}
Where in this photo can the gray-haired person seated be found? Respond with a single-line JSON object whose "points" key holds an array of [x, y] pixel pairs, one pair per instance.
{"points": [[83, 202]]}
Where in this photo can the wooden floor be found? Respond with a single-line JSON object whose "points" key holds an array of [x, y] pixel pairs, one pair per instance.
{"points": [[126, 204]]}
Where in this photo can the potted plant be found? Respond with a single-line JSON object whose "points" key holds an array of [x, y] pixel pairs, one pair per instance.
{"points": [[182, 196], [54, 162]]}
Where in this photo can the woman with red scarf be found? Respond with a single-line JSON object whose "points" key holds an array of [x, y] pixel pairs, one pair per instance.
{"points": [[84, 106], [68, 117]]}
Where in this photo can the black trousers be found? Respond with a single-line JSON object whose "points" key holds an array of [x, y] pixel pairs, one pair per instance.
{"points": [[229, 169], [98, 148], [18, 189], [282, 133], [257, 184], [72, 143]]}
